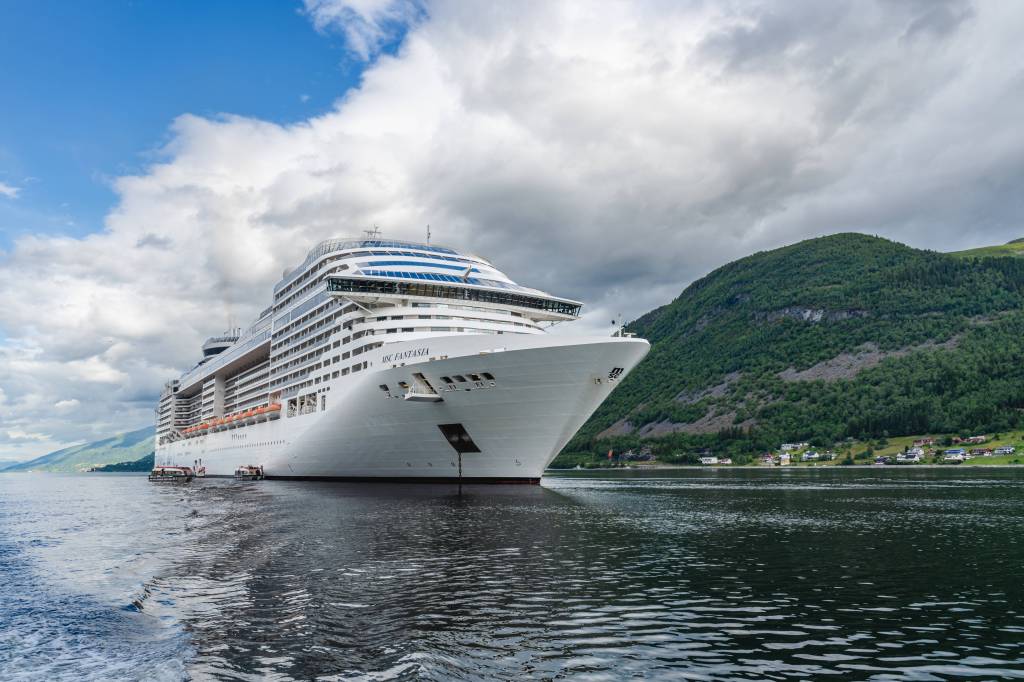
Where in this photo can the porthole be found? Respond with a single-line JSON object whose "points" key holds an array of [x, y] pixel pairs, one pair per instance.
{"points": [[488, 376], [459, 377], [474, 377]]}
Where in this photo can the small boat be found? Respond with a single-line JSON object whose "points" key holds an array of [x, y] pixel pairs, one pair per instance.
{"points": [[169, 474], [249, 472]]}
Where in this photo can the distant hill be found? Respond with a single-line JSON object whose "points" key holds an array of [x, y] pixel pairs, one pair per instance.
{"points": [[846, 336], [123, 447], [1011, 248], [144, 464]]}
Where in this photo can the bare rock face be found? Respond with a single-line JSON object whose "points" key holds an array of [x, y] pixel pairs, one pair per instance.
{"points": [[849, 365], [812, 315], [623, 427], [716, 391]]}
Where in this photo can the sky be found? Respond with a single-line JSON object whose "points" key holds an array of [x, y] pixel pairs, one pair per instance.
{"points": [[162, 163]]}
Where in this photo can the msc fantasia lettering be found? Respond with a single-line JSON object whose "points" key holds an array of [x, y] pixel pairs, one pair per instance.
{"points": [[404, 355]]}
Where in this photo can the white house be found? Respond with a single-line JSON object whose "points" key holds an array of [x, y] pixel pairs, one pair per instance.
{"points": [[1005, 450], [709, 460], [787, 447]]}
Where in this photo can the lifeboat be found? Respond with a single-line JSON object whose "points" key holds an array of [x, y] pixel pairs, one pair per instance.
{"points": [[249, 473], [171, 474]]}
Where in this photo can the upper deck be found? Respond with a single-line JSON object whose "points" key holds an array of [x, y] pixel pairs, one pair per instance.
{"points": [[347, 298]]}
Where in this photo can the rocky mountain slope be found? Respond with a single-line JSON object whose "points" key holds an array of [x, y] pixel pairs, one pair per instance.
{"points": [[841, 336]]}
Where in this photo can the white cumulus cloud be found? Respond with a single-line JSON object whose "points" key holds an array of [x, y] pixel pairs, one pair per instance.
{"points": [[366, 24], [610, 152]]}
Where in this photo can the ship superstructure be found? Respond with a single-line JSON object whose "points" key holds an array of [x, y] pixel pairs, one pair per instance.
{"points": [[392, 359]]}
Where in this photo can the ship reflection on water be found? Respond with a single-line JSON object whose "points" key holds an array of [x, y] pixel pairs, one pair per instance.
{"points": [[318, 578]]}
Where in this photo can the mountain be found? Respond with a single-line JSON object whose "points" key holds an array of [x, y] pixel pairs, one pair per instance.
{"points": [[122, 447], [845, 336], [144, 464]]}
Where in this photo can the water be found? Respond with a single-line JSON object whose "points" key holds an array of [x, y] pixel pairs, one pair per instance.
{"points": [[779, 574]]}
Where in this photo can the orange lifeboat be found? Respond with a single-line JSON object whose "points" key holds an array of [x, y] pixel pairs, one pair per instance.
{"points": [[274, 407]]}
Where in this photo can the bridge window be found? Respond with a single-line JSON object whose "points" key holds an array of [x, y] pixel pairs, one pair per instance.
{"points": [[369, 286]]}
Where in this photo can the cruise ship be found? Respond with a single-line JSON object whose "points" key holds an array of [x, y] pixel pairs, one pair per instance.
{"points": [[386, 360]]}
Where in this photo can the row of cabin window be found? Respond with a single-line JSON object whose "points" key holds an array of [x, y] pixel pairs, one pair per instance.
{"points": [[472, 377], [448, 380]]}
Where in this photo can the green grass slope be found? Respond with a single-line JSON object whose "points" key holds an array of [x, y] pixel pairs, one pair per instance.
{"points": [[123, 447], [846, 336], [1013, 248]]}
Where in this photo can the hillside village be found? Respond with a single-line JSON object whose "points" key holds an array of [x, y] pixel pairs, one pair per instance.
{"points": [[992, 449]]}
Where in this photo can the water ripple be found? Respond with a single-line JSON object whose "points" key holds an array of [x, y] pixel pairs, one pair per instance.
{"points": [[699, 575]]}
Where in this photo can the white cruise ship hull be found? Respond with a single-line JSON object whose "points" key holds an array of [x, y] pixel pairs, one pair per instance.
{"points": [[544, 389]]}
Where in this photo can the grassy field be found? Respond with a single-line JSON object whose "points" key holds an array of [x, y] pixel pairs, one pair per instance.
{"points": [[1014, 248]]}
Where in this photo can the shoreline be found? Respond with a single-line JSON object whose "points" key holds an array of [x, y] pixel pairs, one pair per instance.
{"points": [[655, 467]]}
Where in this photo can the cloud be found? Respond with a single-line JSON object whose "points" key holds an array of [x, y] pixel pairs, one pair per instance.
{"points": [[9, 191], [18, 434], [367, 25], [607, 152]]}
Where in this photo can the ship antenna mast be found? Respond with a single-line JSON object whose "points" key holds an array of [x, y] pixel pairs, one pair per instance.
{"points": [[428, 234], [374, 233]]}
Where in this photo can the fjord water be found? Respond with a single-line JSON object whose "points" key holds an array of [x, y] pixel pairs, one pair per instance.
{"points": [[850, 573]]}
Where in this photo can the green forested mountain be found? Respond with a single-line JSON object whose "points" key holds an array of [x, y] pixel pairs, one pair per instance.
{"points": [[123, 447], [144, 464], [846, 336]]}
